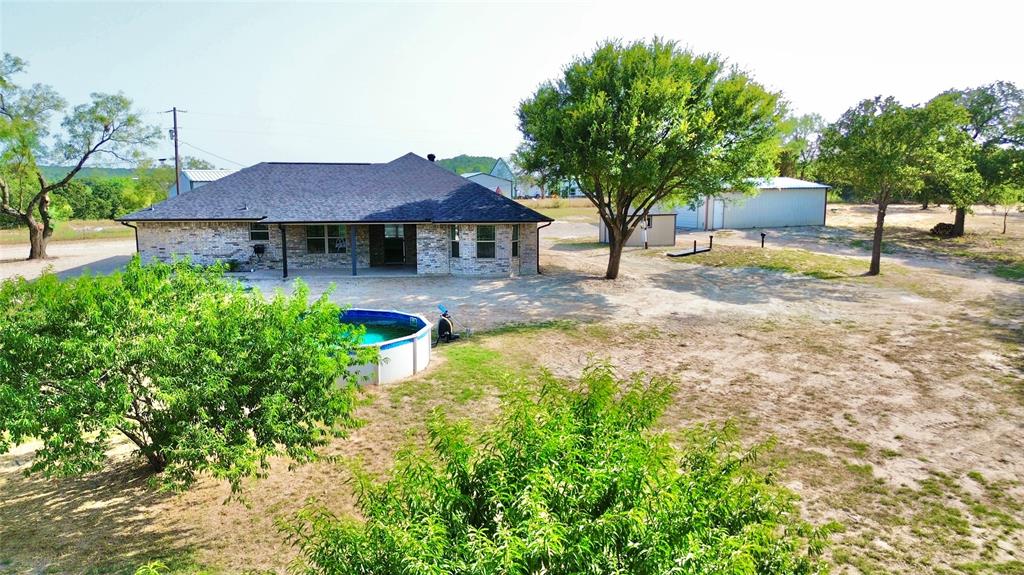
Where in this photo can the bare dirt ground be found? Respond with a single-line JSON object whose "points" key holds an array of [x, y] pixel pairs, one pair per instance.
{"points": [[67, 258], [897, 408]]}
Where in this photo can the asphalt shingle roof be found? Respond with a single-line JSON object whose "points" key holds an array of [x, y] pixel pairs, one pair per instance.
{"points": [[407, 189]]}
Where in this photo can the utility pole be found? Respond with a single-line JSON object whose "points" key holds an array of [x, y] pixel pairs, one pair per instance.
{"points": [[177, 157]]}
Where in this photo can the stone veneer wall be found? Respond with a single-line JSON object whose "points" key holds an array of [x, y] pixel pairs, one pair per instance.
{"points": [[207, 242]]}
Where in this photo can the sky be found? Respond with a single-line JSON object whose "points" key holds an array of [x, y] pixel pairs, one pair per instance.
{"points": [[348, 82]]}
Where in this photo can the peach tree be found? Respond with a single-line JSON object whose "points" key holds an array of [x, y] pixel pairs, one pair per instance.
{"points": [[199, 374], [567, 482]]}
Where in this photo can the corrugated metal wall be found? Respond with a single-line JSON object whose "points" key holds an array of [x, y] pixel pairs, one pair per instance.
{"points": [[775, 208], [768, 209]]}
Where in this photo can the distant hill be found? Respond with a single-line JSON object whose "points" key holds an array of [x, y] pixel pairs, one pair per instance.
{"points": [[52, 173], [462, 163]]}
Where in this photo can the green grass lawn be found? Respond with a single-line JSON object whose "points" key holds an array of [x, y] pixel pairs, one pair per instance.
{"points": [[569, 213], [802, 262], [72, 230]]}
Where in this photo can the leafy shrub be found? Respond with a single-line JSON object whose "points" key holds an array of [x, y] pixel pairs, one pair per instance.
{"points": [[199, 374], [567, 482]]}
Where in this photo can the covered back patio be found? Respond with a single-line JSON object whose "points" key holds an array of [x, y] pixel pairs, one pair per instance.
{"points": [[356, 249]]}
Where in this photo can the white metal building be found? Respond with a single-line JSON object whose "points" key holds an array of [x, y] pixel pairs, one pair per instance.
{"points": [[780, 202]]}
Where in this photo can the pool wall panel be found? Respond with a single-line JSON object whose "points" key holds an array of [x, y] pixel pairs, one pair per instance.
{"points": [[398, 358]]}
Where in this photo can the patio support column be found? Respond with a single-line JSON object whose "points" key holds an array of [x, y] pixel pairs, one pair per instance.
{"points": [[284, 251], [353, 249]]}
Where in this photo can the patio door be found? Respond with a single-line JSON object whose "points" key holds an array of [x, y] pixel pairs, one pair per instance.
{"points": [[394, 244]]}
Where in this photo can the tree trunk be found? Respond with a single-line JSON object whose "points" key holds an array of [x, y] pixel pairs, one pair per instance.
{"points": [[958, 223], [157, 461], [876, 244], [37, 240], [614, 256], [38, 233], [1004, 221], [924, 204]]}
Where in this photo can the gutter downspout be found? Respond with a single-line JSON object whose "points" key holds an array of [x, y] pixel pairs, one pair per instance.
{"points": [[136, 228], [284, 252], [539, 228]]}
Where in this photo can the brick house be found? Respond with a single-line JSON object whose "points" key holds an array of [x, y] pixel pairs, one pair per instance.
{"points": [[409, 214]]}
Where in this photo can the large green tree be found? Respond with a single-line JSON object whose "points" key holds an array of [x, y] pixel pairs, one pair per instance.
{"points": [[996, 124], [105, 127], [885, 152], [640, 124], [202, 376]]}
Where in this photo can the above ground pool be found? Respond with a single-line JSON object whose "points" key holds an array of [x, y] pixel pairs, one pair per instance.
{"points": [[403, 341]]}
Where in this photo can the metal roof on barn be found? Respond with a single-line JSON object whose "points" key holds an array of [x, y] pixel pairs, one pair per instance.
{"points": [[206, 175], [784, 183], [408, 189]]}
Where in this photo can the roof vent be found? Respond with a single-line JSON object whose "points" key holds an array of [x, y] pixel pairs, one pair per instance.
{"points": [[431, 157]]}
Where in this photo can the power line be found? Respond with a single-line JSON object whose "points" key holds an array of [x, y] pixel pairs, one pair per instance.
{"points": [[212, 154]]}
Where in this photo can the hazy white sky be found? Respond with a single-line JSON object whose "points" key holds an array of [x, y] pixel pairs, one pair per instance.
{"points": [[369, 82]]}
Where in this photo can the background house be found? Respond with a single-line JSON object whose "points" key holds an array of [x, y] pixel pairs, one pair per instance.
{"points": [[780, 202], [494, 183], [192, 179]]}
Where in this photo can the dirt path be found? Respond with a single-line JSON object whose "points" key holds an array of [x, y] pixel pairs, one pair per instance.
{"points": [[67, 258]]}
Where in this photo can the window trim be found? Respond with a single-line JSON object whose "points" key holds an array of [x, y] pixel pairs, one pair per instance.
{"points": [[258, 228], [492, 242]]}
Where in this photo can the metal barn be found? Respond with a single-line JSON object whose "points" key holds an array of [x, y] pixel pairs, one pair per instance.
{"points": [[780, 202]]}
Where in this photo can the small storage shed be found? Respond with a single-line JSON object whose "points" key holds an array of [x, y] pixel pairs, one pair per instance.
{"points": [[780, 202], [661, 231]]}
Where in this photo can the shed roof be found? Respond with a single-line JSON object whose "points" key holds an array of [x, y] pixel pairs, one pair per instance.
{"points": [[407, 189]]}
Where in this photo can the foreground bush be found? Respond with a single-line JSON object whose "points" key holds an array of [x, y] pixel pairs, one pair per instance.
{"points": [[567, 482], [200, 375]]}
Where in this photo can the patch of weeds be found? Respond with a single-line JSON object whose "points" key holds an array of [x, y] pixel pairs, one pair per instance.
{"points": [[859, 448], [569, 245], [789, 260], [564, 325], [469, 369], [1013, 271], [890, 453], [986, 568], [863, 244]]}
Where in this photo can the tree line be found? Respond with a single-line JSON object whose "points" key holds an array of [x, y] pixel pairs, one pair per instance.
{"points": [[645, 124]]}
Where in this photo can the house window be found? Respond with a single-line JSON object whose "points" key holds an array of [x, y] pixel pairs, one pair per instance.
{"points": [[259, 233], [453, 238], [394, 231], [328, 239], [515, 240], [485, 242]]}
